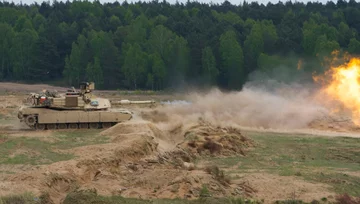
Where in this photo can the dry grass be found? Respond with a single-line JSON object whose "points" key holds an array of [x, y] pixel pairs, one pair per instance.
{"points": [[218, 174], [346, 199], [26, 198]]}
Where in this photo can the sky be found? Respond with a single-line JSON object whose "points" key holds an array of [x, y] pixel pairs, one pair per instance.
{"points": [[235, 2]]}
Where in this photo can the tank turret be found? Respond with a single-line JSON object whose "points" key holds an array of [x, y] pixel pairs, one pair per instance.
{"points": [[83, 99], [72, 109]]}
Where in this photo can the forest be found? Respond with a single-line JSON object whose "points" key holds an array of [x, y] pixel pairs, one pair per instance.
{"points": [[157, 45]]}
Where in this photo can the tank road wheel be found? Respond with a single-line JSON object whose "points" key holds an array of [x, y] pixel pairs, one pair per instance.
{"points": [[40, 126], [94, 125], [30, 120], [51, 126], [106, 125], [73, 126], [84, 126], [62, 126]]}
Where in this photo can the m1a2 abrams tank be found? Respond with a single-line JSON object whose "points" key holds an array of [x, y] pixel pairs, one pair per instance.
{"points": [[74, 109]]}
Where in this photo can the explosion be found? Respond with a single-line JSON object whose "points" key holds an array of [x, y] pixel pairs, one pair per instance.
{"points": [[342, 83]]}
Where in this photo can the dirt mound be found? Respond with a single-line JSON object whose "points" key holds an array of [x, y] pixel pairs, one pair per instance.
{"points": [[136, 154], [339, 123], [199, 136], [175, 183], [129, 142], [133, 127], [139, 149], [207, 139], [126, 133], [146, 151], [58, 186]]}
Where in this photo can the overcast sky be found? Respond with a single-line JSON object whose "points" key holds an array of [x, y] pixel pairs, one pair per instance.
{"points": [[236, 2]]}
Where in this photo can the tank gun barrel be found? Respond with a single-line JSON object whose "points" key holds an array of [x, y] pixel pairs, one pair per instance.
{"points": [[126, 102]]}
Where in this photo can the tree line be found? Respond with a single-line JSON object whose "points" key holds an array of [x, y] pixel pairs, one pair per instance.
{"points": [[156, 45]]}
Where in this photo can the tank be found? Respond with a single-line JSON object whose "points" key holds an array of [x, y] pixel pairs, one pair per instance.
{"points": [[72, 109]]}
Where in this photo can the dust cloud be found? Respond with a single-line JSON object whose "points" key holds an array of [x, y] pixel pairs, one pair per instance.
{"points": [[262, 105]]}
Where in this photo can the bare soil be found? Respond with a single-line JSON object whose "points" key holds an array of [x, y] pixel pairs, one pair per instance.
{"points": [[272, 188]]}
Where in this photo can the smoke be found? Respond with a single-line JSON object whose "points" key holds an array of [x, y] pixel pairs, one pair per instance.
{"points": [[264, 104]]}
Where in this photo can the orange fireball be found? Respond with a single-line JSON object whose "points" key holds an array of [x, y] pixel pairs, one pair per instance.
{"points": [[343, 85]]}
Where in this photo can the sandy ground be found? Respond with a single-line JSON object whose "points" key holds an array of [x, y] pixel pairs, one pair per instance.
{"points": [[154, 143]]}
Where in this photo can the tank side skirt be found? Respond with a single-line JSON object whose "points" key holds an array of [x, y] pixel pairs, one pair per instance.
{"points": [[80, 117]]}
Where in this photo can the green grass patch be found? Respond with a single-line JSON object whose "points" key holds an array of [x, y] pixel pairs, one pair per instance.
{"points": [[75, 138], [314, 158], [26, 198], [35, 151], [342, 182], [85, 197]]}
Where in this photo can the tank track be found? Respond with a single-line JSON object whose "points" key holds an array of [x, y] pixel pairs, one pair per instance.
{"points": [[32, 122]]}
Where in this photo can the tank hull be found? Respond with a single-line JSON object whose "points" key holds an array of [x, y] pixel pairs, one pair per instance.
{"points": [[45, 118]]}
